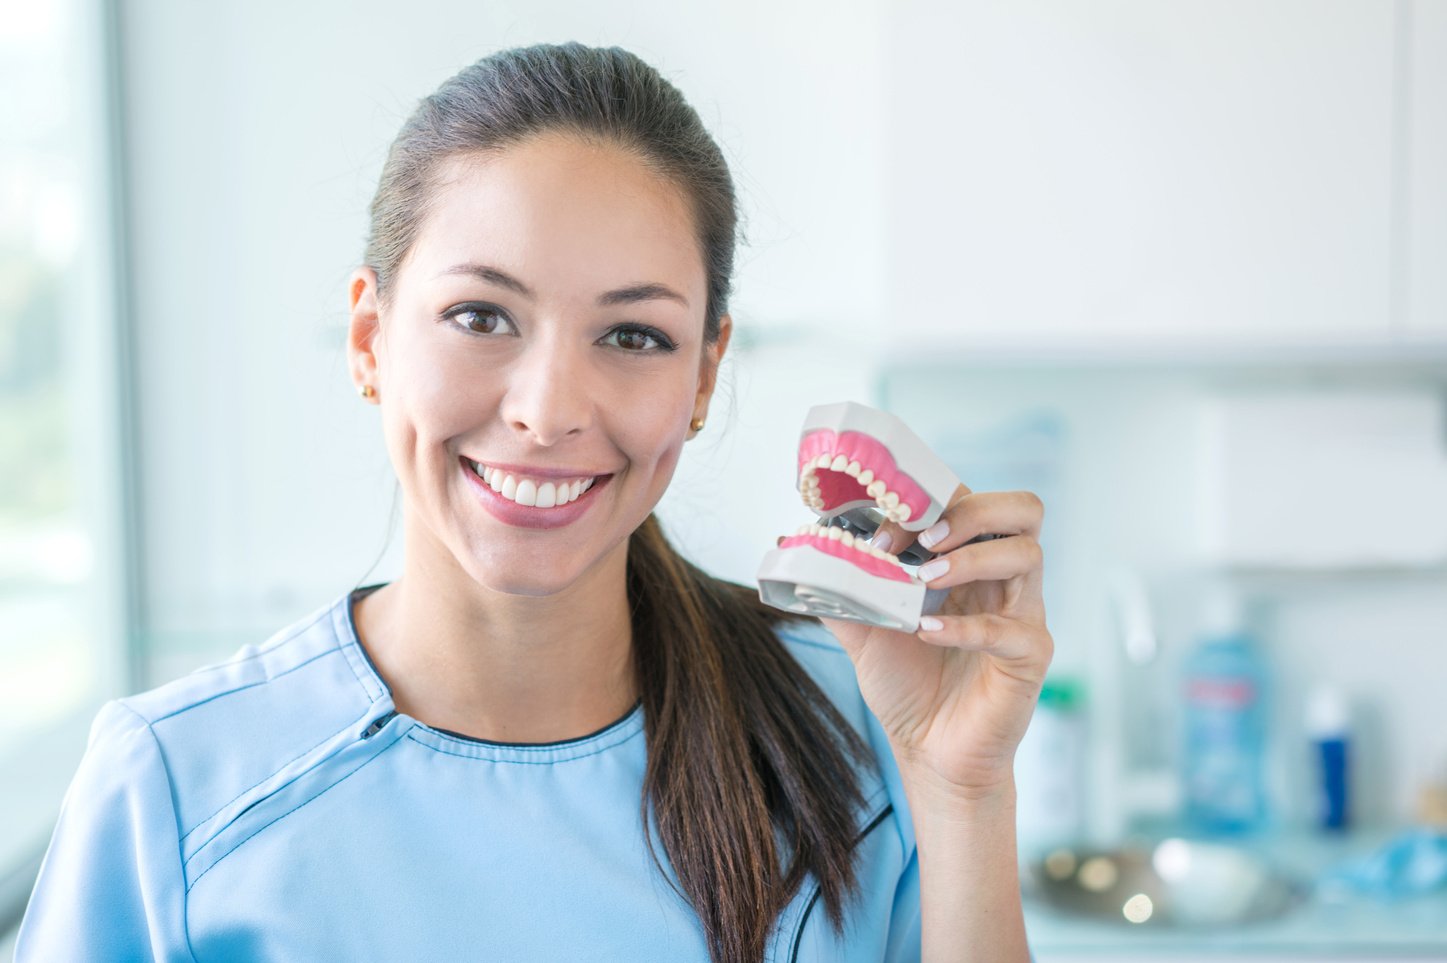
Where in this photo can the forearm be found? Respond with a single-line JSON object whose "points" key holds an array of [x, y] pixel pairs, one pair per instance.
{"points": [[969, 875]]}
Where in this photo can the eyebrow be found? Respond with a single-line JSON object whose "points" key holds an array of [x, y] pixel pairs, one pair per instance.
{"points": [[630, 295]]}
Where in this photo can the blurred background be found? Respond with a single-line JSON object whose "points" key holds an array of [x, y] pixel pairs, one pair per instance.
{"points": [[1178, 267]]}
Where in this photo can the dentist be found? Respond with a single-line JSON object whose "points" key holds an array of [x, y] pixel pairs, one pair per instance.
{"points": [[552, 737]]}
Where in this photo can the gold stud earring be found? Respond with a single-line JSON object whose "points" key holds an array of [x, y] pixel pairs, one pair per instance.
{"points": [[696, 424], [367, 391]]}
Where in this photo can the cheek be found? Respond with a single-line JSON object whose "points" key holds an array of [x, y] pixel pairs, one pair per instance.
{"points": [[651, 427], [440, 395]]}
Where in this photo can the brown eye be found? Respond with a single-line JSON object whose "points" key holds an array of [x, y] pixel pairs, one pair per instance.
{"points": [[640, 340], [478, 319]]}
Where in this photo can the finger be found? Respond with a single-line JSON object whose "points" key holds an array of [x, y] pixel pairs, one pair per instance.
{"points": [[993, 634], [891, 538], [981, 513], [898, 538], [998, 559]]}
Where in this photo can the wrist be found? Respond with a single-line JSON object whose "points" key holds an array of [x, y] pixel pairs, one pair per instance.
{"points": [[928, 792]]}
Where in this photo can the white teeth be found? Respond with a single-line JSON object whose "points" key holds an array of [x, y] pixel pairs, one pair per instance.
{"points": [[531, 493], [837, 534], [888, 501]]}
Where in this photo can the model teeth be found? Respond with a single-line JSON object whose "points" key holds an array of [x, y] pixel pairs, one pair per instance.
{"points": [[532, 492], [836, 534], [889, 502]]}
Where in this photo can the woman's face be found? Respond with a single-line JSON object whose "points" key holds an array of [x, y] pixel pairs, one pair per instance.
{"points": [[547, 325]]}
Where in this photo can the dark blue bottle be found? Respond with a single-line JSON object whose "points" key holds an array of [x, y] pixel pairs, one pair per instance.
{"points": [[1329, 728]]}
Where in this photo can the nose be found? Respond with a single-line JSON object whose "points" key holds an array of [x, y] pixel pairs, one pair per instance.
{"points": [[549, 396]]}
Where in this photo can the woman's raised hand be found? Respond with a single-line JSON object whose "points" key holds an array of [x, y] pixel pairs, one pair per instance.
{"points": [[955, 698]]}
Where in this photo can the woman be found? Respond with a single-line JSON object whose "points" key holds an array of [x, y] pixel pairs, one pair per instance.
{"points": [[480, 759]]}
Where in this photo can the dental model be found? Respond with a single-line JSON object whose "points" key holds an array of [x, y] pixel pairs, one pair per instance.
{"points": [[857, 467]]}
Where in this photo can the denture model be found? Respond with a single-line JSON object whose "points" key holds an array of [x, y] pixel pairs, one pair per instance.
{"points": [[857, 467]]}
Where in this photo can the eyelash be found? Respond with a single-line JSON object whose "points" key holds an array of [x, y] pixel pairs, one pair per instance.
{"points": [[664, 344]]}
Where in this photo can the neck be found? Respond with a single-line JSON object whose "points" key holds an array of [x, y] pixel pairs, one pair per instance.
{"points": [[507, 668]]}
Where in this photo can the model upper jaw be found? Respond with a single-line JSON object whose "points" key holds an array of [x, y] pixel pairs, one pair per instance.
{"points": [[843, 470], [852, 456]]}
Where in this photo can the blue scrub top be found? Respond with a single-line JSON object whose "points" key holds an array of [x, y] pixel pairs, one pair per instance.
{"points": [[277, 807]]}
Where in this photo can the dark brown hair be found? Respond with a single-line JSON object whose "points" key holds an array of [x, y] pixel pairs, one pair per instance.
{"points": [[745, 751]]}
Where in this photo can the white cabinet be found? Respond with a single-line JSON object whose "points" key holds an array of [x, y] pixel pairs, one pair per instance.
{"points": [[1423, 203], [1199, 171]]}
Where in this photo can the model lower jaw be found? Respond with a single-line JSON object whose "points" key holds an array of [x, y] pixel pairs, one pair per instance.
{"points": [[841, 544]]}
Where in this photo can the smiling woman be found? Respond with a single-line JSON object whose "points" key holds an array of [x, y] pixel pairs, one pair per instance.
{"points": [[516, 750]]}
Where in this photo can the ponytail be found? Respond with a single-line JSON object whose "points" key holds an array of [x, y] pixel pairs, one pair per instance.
{"points": [[742, 744]]}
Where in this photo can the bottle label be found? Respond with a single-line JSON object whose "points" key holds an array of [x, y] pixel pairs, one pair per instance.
{"points": [[1221, 693]]}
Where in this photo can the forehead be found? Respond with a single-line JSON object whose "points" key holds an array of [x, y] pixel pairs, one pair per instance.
{"points": [[568, 218]]}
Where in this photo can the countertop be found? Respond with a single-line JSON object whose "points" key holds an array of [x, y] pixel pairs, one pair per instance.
{"points": [[1328, 924]]}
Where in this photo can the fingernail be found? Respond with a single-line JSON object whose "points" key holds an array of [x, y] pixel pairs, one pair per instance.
{"points": [[881, 541], [930, 624], [935, 534], [930, 571]]}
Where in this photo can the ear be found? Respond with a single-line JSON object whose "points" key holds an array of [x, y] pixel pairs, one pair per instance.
{"points": [[363, 330], [708, 369]]}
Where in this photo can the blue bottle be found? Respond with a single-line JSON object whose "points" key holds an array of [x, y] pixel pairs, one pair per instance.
{"points": [[1225, 712], [1328, 726]]}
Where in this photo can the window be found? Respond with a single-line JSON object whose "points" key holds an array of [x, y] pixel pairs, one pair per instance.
{"points": [[62, 446]]}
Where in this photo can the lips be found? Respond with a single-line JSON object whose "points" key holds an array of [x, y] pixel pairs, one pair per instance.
{"points": [[509, 511]]}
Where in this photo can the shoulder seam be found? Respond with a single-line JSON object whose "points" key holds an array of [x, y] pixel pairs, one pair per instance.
{"points": [[241, 688]]}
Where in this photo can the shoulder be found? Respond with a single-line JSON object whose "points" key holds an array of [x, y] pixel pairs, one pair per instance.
{"points": [[253, 671], [815, 648], [223, 730]]}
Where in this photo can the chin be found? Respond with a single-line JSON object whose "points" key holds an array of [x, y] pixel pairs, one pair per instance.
{"points": [[532, 584], [520, 576]]}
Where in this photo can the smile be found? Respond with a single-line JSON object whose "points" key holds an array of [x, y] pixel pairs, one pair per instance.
{"points": [[531, 492]]}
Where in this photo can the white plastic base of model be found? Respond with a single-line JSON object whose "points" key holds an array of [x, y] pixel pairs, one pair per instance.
{"points": [[911, 455], [804, 579]]}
